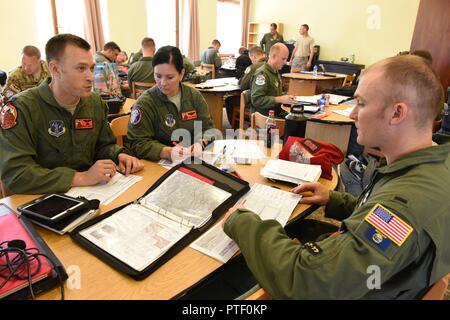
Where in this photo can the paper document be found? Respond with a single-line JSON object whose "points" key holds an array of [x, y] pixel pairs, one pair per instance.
{"points": [[242, 151], [266, 201], [217, 82], [106, 193], [293, 172], [135, 235], [334, 98], [345, 112]]}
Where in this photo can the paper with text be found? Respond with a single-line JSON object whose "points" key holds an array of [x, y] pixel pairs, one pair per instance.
{"points": [[266, 201], [106, 193]]}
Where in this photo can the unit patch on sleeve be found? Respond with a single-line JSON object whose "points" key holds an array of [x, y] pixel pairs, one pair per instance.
{"points": [[260, 80], [389, 224], [8, 116]]}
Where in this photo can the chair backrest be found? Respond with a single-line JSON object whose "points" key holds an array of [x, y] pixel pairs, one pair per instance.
{"points": [[137, 88], [4, 191], [348, 80], [437, 290], [242, 109], [259, 121], [209, 67], [119, 127]]}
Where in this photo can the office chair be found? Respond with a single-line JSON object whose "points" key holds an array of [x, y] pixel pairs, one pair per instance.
{"points": [[348, 80], [4, 191], [137, 88], [119, 127]]}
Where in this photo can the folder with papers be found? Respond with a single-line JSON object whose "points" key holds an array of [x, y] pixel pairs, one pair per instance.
{"points": [[292, 172]]}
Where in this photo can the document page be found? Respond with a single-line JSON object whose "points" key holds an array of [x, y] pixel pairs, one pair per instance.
{"points": [[291, 171], [106, 193], [267, 202], [242, 151], [135, 235], [185, 199]]}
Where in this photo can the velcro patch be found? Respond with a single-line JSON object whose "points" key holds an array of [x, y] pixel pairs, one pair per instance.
{"points": [[260, 80], [313, 248], [311, 146], [135, 116], [189, 115], [84, 123], [8, 116], [389, 224]]}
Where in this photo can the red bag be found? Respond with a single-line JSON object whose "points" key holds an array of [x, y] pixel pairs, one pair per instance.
{"points": [[312, 152]]}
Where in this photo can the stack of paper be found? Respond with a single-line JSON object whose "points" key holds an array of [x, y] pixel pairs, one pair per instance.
{"points": [[242, 151], [334, 98], [292, 172], [106, 193], [265, 201], [345, 112]]}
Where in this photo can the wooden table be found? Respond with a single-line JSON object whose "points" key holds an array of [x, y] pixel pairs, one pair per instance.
{"points": [[302, 84], [334, 128], [215, 98], [100, 281]]}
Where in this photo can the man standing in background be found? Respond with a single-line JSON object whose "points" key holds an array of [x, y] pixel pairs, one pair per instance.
{"points": [[29, 75], [271, 38], [303, 53]]}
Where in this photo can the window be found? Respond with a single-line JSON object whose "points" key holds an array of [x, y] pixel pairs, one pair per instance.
{"points": [[161, 17], [229, 24]]}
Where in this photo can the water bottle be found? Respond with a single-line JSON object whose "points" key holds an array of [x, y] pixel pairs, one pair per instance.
{"points": [[270, 125], [446, 119], [321, 103], [315, 71]]}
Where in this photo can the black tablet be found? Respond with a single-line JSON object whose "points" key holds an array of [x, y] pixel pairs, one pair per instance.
{"points": [[52, 207]]}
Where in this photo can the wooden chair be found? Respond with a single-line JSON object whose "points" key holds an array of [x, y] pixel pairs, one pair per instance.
{"points": [[348, 80], [239, 112], [438, 289], [209, 67], [436, 292], [119, 127], [259, 121], [4, 191], [137, 88]]}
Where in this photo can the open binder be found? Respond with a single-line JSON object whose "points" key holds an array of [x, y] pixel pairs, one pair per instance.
{"points": [[139, 237]]}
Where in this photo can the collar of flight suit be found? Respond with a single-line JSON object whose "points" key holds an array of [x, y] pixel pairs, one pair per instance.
{"points": [[428, 155], [47, 95], [270, 69]]}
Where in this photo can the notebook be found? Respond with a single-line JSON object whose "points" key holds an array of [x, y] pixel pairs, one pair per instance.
{"points": [[11, 228], [292, 172]]}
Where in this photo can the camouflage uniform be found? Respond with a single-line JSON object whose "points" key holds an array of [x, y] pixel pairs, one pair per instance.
{"points": [[100, 57], [18, 81], [43, 145], [141, 71], [397, 231]]}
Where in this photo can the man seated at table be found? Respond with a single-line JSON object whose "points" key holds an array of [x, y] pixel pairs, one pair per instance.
{"points": [[242, 62], [211, 55], [109, 53], [393, 240], [142, 71], [30, 74], [57, 136], [266, 89]]}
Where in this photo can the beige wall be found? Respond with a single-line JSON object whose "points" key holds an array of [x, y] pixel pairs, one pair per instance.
{"points": [[341, 28], [207, 12], [14, 35]]}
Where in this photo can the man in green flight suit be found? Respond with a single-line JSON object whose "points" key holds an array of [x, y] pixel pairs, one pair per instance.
{"points": [[393, 242], [29, 75], [267, 89], [269, 39], [258, 58], [56, 136], [109, 53], [142, 71]]}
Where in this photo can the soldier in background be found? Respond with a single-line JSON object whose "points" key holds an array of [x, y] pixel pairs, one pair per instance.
{"points": [[109, 53], [30, 74], [271, 38]]}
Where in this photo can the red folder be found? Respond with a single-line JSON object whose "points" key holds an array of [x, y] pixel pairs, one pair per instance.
{"points": [[11, 228]]}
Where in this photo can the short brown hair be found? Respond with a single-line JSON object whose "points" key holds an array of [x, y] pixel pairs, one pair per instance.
{"points": [[411, 79], [111, 46], [274, 25], [31, 51], [147, 43], [306, 26], [55, 47], [216, 42], [424, 54], [256, 50]]}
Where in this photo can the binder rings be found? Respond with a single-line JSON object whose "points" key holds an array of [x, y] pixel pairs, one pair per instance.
{"points": [[139, 237]]}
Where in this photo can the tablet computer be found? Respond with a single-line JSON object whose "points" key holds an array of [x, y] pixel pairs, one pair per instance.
{"points": [[52, 207]]}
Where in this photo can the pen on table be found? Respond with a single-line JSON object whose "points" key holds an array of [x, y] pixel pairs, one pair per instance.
{"points": [[238, 175]]}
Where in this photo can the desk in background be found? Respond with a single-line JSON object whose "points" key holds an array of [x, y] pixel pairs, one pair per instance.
{"points": [[100, 281], [302, 84]]}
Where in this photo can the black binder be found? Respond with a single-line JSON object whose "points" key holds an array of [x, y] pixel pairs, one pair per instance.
{"points": [[229, 183]]}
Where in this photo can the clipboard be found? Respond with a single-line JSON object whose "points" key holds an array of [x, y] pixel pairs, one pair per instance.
{"points": [[201, 172]]}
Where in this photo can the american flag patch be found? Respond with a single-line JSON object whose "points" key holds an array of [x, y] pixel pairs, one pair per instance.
{"points": [[389, 224]]}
